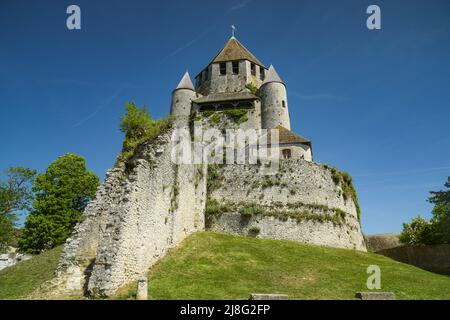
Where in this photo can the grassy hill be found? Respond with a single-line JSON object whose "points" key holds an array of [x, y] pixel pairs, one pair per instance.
{"points": [[217, 266], [23, 278]]}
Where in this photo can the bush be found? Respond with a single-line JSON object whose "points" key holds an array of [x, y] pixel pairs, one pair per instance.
{"points": [[251, 209], [252, 88], [237, 115], [254, 230], [139, 127], [215, 118], [213, 207]]}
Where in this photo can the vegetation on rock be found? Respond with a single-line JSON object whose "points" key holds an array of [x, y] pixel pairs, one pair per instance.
{"points": [[139, 128], [238, 116], [344, 180]]}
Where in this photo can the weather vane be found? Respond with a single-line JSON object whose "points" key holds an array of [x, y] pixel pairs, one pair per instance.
{"points": [[233, 29]]}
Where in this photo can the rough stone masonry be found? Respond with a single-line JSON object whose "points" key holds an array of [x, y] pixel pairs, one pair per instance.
{"points": [[149, 204]]}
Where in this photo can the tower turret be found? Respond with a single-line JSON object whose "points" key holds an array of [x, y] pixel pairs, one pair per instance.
{"points": [[274, 102], [182, 98]]}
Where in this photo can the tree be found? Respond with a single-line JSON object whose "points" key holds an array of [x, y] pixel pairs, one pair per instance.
{"points": [[15, 196], [136, 123], [418, 232], [441, 197], [15, 192], [62, 193], [441, 213], [6, 233], [435, 231], [138, 126]]}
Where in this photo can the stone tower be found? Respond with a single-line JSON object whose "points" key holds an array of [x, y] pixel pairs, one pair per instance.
{"points": [[149, 204], [230, 70], [275, 109], [182, 98]]}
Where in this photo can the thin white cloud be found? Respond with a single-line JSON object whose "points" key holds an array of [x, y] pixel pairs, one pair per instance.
{"points": [[233, 8], [238, 6], [99, 107]]}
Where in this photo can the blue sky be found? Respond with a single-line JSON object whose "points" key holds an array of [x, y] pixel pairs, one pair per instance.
{"points": [[374, 103]]}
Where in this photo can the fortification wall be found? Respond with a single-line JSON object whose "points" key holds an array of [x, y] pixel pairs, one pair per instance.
{"points": [[300, 203], [140, 211]]}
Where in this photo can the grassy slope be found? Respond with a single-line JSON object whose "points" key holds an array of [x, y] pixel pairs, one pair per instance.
{"points": [[23, 278], [217, 266]]}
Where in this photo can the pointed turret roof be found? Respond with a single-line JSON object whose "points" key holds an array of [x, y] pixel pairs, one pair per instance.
{"points": [[272, 76], [185, 82], [234, 50]]}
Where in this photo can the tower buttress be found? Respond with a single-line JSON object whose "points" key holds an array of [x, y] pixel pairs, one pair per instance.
{"points": [[182, 98], [274, 103]]}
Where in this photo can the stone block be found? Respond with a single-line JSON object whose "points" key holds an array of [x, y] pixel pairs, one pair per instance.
{"points": [[268, 296], [375, 295]]}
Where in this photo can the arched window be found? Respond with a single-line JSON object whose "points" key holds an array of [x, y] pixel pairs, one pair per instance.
{"points": [[283, 104]]}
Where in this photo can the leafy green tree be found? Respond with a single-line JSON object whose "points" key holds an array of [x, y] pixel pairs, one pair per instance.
{"points": [[15, 192], [136, 123], [15, 196], [6, 233], [441, 222], [441, 197], [418, 232], [435, 231], [62, 194]]}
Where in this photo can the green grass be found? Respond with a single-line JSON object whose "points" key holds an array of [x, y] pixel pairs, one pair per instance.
{"points": [[23, 278], [218, 266]]}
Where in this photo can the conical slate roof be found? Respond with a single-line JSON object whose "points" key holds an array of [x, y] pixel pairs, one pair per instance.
{"points": [[287, 136], [272, 76], [185, 82], [234, 50]]}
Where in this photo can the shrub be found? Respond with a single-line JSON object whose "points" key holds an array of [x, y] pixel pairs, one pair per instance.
{"points": [[215, 118], [251, 209], [213, 207], [139, 127], [214, 177], [207, 113], [237, 115], [254, 230], [252, 88]]}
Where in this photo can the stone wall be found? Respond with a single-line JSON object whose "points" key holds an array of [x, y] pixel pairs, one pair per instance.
{"points": [[218, 83], [141, 210], [378, 242], [9, 259], [149, 205], [434, 258], [300, 203]]}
